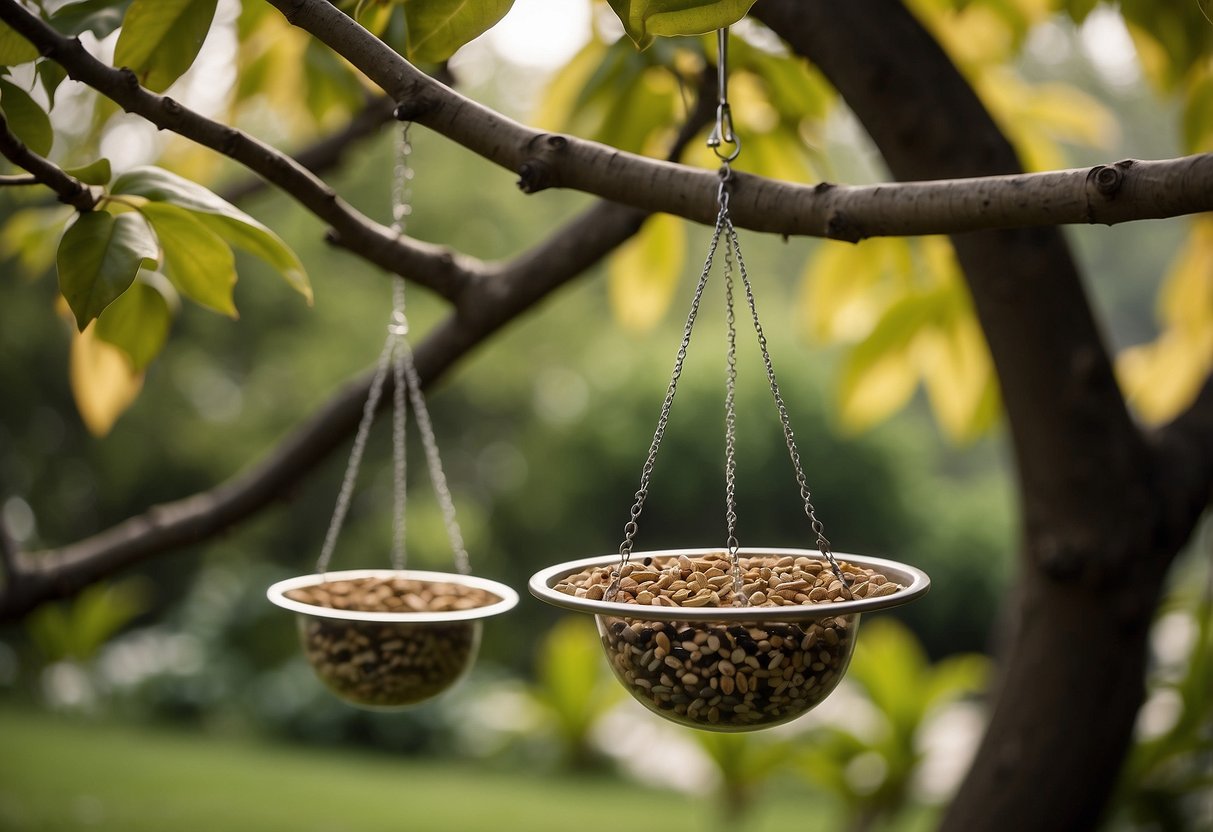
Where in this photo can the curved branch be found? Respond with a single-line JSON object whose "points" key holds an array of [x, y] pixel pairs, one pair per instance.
{"points": [[328, 151], [1104, 194], [70, 190], [1184, 454], [432, 266], [513, 289], [507, 291]]}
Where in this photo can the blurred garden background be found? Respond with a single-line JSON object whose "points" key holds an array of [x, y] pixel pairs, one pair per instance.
{"points": [[176, 697]]}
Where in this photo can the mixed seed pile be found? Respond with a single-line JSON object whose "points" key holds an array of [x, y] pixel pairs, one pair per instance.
{"points": [[706, 581], [390, 665], [729, 676]]}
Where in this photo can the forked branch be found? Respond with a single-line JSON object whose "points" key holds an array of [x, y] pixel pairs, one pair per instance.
{"points": [[1128, 190], [434, 267]]}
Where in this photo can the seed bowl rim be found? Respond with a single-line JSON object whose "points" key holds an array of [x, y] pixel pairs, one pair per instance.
{"points": [[276, 594], [915, 583]]}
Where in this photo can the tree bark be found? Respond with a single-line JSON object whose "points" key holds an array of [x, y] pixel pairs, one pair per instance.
{"points": [[1095, 546]]}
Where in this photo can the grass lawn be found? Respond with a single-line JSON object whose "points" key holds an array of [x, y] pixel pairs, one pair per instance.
{"points": [[64, 774]]}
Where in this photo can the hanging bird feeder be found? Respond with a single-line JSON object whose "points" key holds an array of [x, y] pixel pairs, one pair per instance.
{"points": [[390, 638], [728, 639]]}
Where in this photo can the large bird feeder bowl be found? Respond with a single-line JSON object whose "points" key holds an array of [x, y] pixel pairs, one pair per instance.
{"points": [[717, 667], [382, 638]]}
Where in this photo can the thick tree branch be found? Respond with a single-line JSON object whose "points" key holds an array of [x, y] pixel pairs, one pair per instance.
{"points": [[8, 553], [492, 303], [432, 266], [1184, 462], [70, 190], [328, 151], [1095, 549], [506, 291], [1103, 194]]}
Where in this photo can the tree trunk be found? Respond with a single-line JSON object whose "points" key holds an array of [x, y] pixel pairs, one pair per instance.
{"points": [[1094, 546]]}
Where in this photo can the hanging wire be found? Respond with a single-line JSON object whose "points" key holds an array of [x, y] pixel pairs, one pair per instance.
{"points": [[397, 357], [823, 543], [355, 460], [723, 134]]}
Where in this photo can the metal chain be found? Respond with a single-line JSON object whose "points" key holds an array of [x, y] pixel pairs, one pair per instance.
{"points": [[400, 329], [401, 208], [433, 461], [730, 424], [397, 356], [646, 473], [407, 379], [355, 460], [823, 543]]}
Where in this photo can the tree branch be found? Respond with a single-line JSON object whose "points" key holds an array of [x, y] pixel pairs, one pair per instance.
{"points": [[8, 554], [1184, 463], [328, 151], [1103, 194], [1093, 558], [70, 190], [506, 291], [434, 267], [489, 305]]}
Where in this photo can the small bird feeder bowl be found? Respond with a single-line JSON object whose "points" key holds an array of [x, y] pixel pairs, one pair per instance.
{"points": [[386, 638], [682, 642]]}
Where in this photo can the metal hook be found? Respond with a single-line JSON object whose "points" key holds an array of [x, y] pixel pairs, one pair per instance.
{"points": [[722, 133]]}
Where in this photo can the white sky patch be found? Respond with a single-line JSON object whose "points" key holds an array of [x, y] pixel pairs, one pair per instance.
{"points": [[543, 34], [1108, 45]]}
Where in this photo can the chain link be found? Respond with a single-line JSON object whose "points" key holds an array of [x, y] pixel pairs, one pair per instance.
{"points": [[823, 543], [723, 134], [730, 428], [355, 461], [631, 527], [397, 357]]}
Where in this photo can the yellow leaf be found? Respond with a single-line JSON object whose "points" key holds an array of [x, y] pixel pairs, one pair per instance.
{"points": [[872, 391], [958, 375], [1186, 297], [1155, 63], [643, 273], [102, 380], [881, 372], [559, 101], [1162, 378], [846, 287]]}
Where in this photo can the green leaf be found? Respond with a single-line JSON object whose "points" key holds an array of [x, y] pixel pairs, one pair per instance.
{"points": [[331, 85], [15, 49], [77, 629], [137, 323], [436, 28], [94, 173], [30, 235], [98, 258], [51, 75], [101, 17], [196, 259], [26, 119], [645, 19], [161, 38], [226, 220]]}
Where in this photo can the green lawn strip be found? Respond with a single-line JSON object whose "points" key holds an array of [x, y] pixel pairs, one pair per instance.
{"points": [[67, 774]]}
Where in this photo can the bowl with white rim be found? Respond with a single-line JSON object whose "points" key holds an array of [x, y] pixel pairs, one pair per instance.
{"points": [[387, 638], [732, 667]]}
